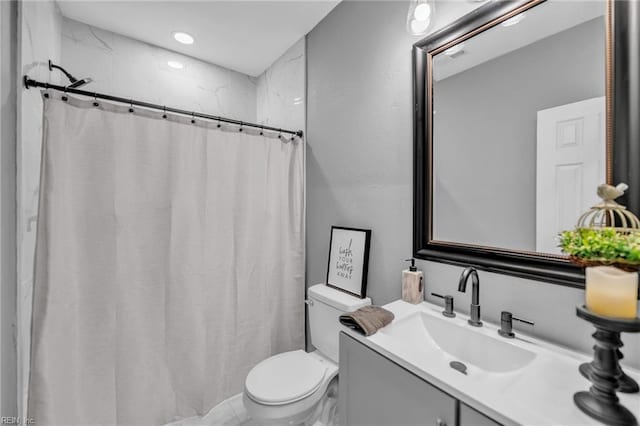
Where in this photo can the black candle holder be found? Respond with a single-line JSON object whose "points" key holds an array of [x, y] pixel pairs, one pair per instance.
{"points": [[626, 384], [604, 372]]}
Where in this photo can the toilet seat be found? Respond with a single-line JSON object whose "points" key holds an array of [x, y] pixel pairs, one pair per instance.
{"points": [[285, 378]]}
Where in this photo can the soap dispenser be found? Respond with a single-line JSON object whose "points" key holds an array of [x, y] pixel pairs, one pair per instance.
{"points": [[412, 289]]}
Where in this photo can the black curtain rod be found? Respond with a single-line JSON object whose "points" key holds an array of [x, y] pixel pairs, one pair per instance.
{"points": [[28, 83]]}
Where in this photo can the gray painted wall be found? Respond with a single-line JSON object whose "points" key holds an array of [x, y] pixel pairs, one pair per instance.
{"points": [[8, 80], [359, 170], [485, 134]]}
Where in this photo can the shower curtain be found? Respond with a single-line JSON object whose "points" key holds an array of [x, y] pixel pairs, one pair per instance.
{"points": [[169, 261]]}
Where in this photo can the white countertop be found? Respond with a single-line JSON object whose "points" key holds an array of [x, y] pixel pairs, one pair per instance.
{"points": [[541, 393]]}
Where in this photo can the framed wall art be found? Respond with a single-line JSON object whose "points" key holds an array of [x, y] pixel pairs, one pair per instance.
{"points": [[349, 260]]}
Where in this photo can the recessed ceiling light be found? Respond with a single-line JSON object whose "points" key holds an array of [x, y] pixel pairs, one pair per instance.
{"points": [[512, 21], [454, 49], [183, 38], [175, 64]]}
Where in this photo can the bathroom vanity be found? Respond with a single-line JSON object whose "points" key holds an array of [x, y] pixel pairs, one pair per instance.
{"points": [[393, 394], [402, 375]]}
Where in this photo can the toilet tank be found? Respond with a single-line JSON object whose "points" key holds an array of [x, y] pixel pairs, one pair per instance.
{"points": [[326, 304]]}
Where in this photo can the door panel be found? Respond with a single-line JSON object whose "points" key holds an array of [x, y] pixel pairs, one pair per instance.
{"points": [[571, 154]]}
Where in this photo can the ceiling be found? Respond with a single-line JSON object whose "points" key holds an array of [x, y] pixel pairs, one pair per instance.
{"points": [[544, 20], [245, 36]]}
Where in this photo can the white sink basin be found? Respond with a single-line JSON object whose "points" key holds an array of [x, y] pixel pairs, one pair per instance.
{"points": [[523, 381], [461, 341]]}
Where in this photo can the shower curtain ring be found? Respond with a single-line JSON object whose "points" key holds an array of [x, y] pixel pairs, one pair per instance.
{"points": [[241, 124], [64, 97], [261, 130], [164, 108], [193, 117], [95, 99], [279, 133], [130, 105], [219, 125]]}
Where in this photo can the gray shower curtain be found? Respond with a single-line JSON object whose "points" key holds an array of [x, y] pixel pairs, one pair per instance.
{"points": [[169, 261]]}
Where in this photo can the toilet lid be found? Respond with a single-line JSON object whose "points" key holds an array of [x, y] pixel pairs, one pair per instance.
{"points": [[285, 378]]}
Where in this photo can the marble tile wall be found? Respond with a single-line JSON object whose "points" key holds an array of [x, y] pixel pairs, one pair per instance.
{"points": [[129, 68], [281, 90], [40, 27], [8, 131]]}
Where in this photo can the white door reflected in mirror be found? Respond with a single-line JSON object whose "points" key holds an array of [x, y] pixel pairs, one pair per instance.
{"points": [[570, 166]]}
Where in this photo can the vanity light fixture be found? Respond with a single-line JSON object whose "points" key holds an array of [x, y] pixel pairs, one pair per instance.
{"points": [[183, 38], [420, 16], [512, 21], [175, 64], [418, 27], [422, 12]]}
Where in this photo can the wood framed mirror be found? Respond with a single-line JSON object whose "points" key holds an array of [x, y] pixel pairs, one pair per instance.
{"points": [[521, 109]]}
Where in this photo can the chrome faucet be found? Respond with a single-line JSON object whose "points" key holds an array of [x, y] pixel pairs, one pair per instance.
{"points": [[475, 294]]}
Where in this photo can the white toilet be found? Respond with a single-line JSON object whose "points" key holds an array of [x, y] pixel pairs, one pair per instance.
{"points": [[287, 388]]}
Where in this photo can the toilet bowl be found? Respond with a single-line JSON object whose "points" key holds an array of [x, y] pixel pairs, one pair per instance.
{"points": [[286, 388], [290, 387]]}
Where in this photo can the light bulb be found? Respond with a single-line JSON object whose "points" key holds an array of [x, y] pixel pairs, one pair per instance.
{"points": [[419, 27], [422, 12], [420, 16]]}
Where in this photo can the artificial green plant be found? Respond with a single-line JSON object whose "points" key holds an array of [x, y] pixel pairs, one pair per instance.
{"points": [[602, 246]]}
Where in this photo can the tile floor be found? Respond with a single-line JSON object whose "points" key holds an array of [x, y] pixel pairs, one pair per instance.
{"points": [[230, 412]]}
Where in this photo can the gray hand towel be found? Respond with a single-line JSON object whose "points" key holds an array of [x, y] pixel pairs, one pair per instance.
{"points": [[367, 320]]}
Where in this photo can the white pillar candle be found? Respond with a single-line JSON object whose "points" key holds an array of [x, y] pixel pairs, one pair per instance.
{"points": [[611, 292]]}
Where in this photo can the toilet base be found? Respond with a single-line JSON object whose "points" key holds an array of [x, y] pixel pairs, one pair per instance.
{"points": [[321, 406]]}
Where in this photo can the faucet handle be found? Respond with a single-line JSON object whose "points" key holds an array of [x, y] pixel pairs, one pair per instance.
{"points": [[448, 305], [522, 320], [506, 324]]}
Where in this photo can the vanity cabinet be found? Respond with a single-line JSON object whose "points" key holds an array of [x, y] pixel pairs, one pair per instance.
{"points": [[375, 391], [469, 416]]}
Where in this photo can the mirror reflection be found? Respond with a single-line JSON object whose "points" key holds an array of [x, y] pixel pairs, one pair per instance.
{"points": [[517, 158]]}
